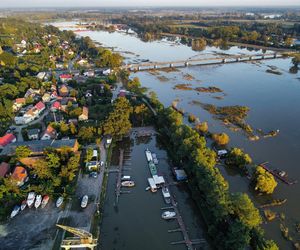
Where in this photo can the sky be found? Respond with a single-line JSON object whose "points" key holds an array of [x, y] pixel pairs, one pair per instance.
{"points": [[130, 3]]}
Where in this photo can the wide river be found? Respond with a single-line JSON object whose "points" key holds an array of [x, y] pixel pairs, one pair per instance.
{"points": [[274, 102]]}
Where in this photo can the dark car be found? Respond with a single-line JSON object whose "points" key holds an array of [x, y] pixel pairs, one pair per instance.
{"points": [[93, 174]]}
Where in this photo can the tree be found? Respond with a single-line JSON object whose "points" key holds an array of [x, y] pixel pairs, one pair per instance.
{"points": [[221, 139], [265, 181], [202, 127], [73, 129], [86, 134], [22, 152], [238, 158], [89, 154], [296, 60]]}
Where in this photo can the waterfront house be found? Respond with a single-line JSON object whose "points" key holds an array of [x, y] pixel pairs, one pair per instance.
{"points": [[7, 139], [19, 175], [33, 134], [85, 114], [40, 106], [4, 169], [50, 133], [19, 102]]}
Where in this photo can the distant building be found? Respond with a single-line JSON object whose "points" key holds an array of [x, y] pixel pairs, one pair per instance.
{"points": [[4, 169], [63, 90], [40, 106], [55, 106], [85, 114], [19, 175], [7, 139], [46, 97], [65, 78], [19, 102]]}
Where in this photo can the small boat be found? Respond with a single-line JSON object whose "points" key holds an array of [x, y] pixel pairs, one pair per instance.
{"points": [[59, 201], [127, 183], [30, 199], [23, 205], [84, 201], [15, 211], [45, 201], [148, 155], [167, 215], [166, 195], [126, 178], [147, 188], [152, 185], [38, 201]]}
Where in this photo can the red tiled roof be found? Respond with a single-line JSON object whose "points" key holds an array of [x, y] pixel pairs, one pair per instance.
{"points": [[19, 174], [56, 105], [4, 167], [6, 139], [40, 105], [66, 76], [20, 100]]}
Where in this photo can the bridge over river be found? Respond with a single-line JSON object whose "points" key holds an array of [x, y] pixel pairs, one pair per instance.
{"points": [[200, 61]]}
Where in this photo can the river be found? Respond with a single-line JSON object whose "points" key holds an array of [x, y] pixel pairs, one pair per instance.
{"points": [[273, 101]]}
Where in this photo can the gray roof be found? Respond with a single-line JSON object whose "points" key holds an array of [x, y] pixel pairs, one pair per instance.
{"points": [[34, 131], [38, 146]]}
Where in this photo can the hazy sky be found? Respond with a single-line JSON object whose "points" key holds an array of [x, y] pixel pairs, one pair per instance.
{"points": [[105, 3]]}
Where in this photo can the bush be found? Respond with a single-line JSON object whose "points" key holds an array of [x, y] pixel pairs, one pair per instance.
{"points": [[202, 127], [265, 182], [221, 139]]}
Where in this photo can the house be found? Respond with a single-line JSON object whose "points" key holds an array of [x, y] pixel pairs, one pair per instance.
{"points": [[85, 114], [63, 90], [65, 78], [31, 92], [19, 175], [50, 133], [33, 134], [4, 169], [74, 121], [55, 106], [37, 147], [82, 62], [59, 65], [7, 139], [54, 95], [89, 73], [53, 87], [46, 97], [19, 102], [40, 106]]}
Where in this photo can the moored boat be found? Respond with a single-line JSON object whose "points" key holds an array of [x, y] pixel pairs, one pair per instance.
{"points": [[153, 169], [126, 178], [23, 205], [38, 201], [166, 195], [15, 211], [84, 201], [152, 185], [45, 201], [154, 157], [30, 199], [167, 215], [59, 201], [148, 155], [127, 183]]}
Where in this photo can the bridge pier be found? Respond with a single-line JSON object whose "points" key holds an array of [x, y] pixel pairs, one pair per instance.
{"points": [[171, 65], [138, 68], [224, 60], [250, 58], [186, 64], [263, 57], [155, 66], [238, 59], [275, 55]]}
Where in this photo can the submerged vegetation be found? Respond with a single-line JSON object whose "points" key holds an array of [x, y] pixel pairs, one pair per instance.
{"points": [[209, 89], [264, 181]]}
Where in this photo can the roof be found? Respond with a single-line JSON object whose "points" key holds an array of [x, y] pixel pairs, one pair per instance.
{"points": [[66, 76], [33, 131], [4, 168], [63, 89], [56, 105], [85, 111], [40, 105], [6, 139], [50, 131], [20, 100], [19, 174], [39, 146]]}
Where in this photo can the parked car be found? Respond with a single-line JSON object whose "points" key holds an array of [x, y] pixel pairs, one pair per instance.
{"points": [[93, 174]]}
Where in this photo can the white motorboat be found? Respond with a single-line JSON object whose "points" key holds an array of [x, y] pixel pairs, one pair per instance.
{"points": [[38, 201], [23, 205], [154, 157], [15, 211], [84, 201], [45, 201], [166, 195], [30, 199], [127, 184], [59, 201], [148, 155], [167, 215]]}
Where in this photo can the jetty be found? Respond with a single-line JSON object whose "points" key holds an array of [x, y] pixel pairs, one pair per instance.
{"points": [[119, 176], [279, 174]]}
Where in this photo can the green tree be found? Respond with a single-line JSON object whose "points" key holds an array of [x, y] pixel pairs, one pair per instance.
{"points": [[221, 139], [22, 152], [202, 127], [238, 158], [296, 60], [265, 181], [86, 134]]}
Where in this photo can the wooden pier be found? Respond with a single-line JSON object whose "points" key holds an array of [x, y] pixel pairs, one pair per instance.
{"points": [[119, 176]]}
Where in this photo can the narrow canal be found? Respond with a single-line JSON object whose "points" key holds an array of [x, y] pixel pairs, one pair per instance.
{"points": [[136, 223]]}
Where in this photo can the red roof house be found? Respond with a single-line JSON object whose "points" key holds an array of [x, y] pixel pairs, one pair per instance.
{"points": [[7, 139], [55, 106], [65, 77], [19, 175], [40, 106], [4, 169]]}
